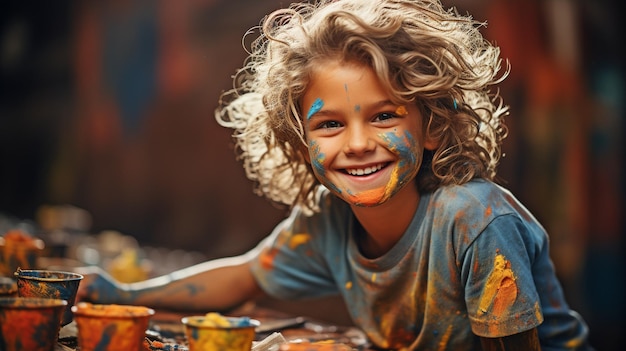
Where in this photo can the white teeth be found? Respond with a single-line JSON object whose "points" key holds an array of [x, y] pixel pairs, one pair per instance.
{"points": [[364, 171]]}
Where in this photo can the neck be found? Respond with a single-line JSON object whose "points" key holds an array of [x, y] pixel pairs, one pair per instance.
{"points": [[385, 224]]}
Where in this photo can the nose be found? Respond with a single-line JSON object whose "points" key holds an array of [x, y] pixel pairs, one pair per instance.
{"points": [[359, 141]]}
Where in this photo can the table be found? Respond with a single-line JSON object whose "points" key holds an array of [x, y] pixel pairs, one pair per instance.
{"points": [[166, 330]]}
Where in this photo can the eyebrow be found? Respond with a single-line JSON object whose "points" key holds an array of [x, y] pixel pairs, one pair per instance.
{"points": [[329, 112]]}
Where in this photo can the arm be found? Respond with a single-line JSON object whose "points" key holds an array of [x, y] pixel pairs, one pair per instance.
{"points": [[210, 286], [525, 341]]}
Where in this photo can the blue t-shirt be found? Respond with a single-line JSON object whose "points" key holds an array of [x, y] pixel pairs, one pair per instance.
{"points": [[472, 262]]}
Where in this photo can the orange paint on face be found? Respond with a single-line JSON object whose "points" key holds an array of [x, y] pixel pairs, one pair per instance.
{"points": [[368, 196], [378, 195], [500, 291], [402, 111]]}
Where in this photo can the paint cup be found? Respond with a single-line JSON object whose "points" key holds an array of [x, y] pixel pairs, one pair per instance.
{"points": [[314, 346], [49, 284], [18, 250], [111, 327], [235, 335], [28, 323], [8, 287]]}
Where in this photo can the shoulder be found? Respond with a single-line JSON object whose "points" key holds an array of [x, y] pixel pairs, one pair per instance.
{"points": [[474, 205], [476, 196]]}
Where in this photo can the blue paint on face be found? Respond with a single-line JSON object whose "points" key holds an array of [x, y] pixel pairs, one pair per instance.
{"points": [[357, 108], [404, 147], [408, 154], [317, 162], [315, 108], [317, 159]]}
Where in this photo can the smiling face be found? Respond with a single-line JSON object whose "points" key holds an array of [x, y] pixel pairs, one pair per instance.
{"points": [[362, 146]]}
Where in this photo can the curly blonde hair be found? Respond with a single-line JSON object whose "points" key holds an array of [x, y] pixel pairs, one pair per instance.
{"points": [[422, 53]]}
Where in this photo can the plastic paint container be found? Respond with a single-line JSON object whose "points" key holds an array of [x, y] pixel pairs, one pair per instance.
{"points": [[49, 284], [18, 250], [111, 327], [314, 346], [236, 334], [8, 287], [31, 324]]}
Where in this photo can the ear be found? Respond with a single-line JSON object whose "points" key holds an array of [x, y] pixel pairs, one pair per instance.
{"points": [[431, 144]]}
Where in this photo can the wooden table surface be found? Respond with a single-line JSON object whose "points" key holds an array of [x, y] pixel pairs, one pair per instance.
{"points": [[166, 330]]}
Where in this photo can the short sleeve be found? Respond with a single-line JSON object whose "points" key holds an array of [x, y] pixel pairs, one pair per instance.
{"points": [[501, 295], [292, 262]]}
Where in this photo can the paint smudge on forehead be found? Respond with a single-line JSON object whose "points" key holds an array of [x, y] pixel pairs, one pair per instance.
{"points": [[315, 108]]}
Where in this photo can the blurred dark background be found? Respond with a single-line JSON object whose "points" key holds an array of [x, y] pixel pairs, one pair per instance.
{"points": [[107, 107]]}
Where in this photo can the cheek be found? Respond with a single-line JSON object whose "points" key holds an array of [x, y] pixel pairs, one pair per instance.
{"points": [[409, 153], [405, 146], [317, 158]]}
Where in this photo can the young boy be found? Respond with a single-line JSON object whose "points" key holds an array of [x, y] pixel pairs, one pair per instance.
{"points": [[374, 121]]}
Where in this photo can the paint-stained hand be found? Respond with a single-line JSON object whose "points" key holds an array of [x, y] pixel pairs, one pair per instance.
{"points": [[98, 286]]}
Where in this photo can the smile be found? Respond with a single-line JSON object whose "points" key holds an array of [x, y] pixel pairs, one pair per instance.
{"points": [[365, 171]]}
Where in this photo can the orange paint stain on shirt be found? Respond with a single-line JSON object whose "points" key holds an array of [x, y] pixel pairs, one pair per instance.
{"points": [[298, 239], [488, 211], [443, 343], [267, 258], [500, 291], [506, 296], [538, 314]]}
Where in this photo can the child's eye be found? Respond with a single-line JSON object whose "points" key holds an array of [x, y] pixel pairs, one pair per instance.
{"points": [[385, 116], [328, 125]]}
